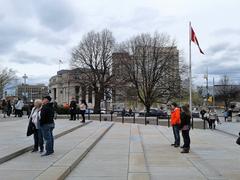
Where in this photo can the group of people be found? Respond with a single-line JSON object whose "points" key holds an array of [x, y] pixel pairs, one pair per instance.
{"points": [[211, 117], [181, 121], [73, 109], [8, 108], [41, 125]]}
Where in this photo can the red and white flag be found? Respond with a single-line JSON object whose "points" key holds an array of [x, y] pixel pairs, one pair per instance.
{"points": [[194, 39]]}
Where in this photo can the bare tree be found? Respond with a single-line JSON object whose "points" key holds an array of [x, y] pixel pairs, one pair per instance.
{"points": [[226, 90], [6, 76], [94, 53], [152, 67]]}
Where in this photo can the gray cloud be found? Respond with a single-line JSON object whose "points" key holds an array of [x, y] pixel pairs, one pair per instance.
{"points": [[23, 57], [54, 14], [223, 59]]}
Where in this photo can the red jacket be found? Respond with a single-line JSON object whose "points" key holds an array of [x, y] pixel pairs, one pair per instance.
{"points": [[175, 116]]}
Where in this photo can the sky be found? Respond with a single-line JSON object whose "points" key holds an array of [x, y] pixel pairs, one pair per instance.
{"points": [[34, 35]]}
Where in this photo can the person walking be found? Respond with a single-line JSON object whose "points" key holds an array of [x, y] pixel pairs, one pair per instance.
{"points": [[34, 123], [225, 114], [73, 109], [83, 107], [47, 125], [212, 119], [19, 107], [9, 108], [175, 122], [4, 108], [185, 127]]}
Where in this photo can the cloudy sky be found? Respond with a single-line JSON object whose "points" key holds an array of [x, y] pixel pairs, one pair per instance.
{"points": [[34, 35]]}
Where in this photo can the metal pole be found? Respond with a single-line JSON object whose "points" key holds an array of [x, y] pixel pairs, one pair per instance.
{"points": [[145, 119], [122, 118], [157, 121], [134, 118], [190, 70], [168, 121]]}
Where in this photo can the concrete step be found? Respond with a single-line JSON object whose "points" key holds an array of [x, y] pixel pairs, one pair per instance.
{"points": [[14, 152], [69, 150]]}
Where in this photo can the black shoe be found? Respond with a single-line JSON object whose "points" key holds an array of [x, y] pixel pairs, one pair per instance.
{"points": [[82, 121], [176, 145], [34, 150], [172, 144], [185, 150], [182, 147]]}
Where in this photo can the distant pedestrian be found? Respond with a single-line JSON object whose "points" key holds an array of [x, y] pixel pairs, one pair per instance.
{"points": [[212, 119], [83, 107], [19, 107], [73, 109], [175, 122], [9, 108], [202, 112], [4, 108], [225, 114], [34, 123], [47, 125], [229, 115], [185, 127]]}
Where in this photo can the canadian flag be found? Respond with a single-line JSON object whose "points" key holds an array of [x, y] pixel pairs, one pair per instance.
{"points": [[194, 39]]}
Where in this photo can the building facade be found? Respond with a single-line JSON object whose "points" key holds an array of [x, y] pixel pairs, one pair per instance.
{"points": [[29, 93], [67, 84]]}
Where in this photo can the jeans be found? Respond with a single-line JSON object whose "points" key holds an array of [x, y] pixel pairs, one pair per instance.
{"points": [[176, 134], [47, 132], [186, 138], [38, 139], [83, 115]]}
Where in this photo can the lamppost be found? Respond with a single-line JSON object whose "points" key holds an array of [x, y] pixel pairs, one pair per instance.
{"points": [[25, 87]]}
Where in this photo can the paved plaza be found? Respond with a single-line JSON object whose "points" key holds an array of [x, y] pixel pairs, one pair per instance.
{"points": [[116, 151]]}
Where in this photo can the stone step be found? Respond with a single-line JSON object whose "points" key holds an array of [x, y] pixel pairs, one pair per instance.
{"points": [[32, 165], [15, 153], [62, 167]]}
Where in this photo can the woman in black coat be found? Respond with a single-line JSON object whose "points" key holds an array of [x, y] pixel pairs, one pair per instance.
{"points": [[185, 127]]}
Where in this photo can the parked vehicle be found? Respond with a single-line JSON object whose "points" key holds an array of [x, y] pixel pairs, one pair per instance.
{"points": [[154, 112]]}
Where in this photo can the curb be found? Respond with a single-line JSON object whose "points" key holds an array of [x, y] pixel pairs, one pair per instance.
{"points": [[63, 167], [28, 148]]}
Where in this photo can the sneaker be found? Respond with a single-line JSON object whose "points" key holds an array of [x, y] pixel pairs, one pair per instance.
{"points": [[172, 144], [34, 150], [176, 145], [47, 154]]}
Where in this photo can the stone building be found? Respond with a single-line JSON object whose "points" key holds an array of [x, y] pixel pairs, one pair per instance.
{"points": [[124, 92], [31, 92], [67, 84]]}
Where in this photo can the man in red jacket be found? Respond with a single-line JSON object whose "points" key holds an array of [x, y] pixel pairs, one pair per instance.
{"points": [[175, 122]]}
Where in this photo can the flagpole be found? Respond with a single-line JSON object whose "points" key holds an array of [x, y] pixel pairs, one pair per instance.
{"points": [[190, 72]]}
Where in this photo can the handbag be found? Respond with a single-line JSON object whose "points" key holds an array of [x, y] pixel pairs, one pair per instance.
{"points": [[238, 140], [31, 128]]}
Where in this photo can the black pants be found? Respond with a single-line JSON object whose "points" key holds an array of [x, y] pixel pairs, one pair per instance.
{"points": [[38, 139], [73, 114], [82, 112], [176, 134], [186, 138], [212, 124]]}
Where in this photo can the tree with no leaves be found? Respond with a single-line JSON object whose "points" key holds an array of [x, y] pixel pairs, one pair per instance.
{"points": [[152, 67], [226, 90], [6, 76], [94, 53]]}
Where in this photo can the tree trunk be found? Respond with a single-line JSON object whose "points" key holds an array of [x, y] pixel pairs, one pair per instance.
{"points": [[147, 106], [97, 106]]}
